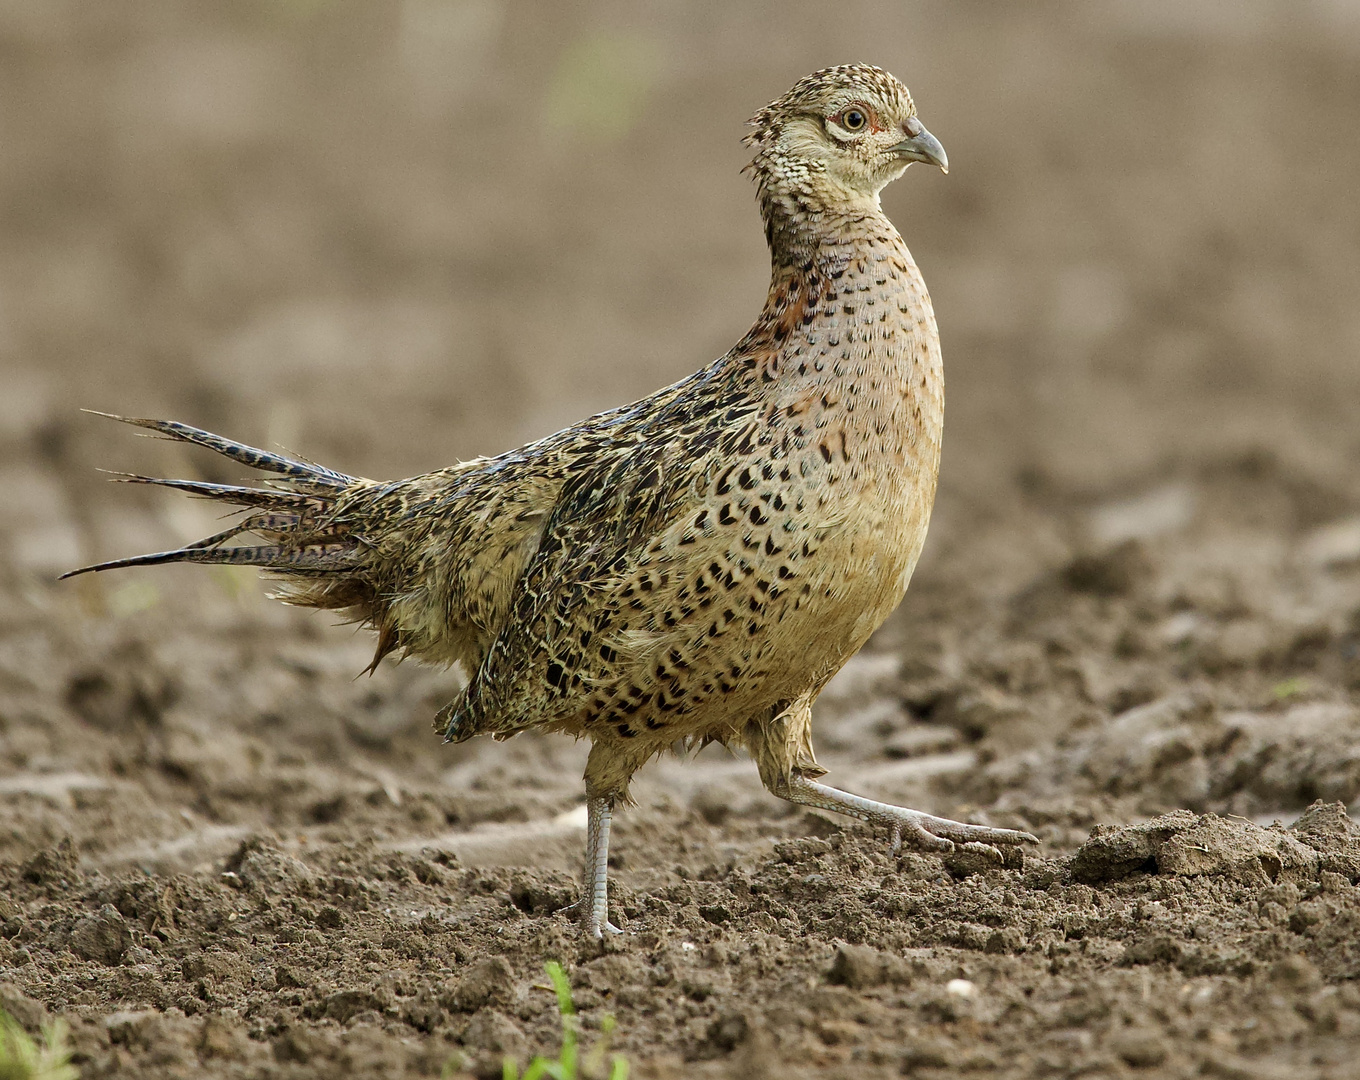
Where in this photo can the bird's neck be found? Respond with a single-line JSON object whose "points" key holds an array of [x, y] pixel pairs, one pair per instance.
{"points": [[846, 301], [803, 228], [820, 252], [845, 358]]}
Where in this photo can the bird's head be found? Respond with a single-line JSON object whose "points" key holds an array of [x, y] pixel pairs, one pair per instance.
{"points": [[838, 137]]}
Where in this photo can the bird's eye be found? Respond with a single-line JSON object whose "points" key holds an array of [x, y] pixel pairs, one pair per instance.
{"points": [[853, 119]]}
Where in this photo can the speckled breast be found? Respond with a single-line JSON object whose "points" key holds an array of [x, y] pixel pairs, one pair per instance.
{"points": [[804, 541], [864, 399]]}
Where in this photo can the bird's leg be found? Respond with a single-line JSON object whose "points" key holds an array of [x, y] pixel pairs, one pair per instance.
{"points": [[921, 831], [594, 902]]}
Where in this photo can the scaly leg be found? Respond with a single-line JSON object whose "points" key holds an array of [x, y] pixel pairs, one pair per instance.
{"points": [[922, 831], [594, 902]]}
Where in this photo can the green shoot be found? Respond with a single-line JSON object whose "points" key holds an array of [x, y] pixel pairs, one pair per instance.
{"points": [[569, 1064], [562, 988], [23, 1059]]}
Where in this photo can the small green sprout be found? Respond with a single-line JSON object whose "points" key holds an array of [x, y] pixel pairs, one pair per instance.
{"points": [[569, 1064], [23, 1059]]}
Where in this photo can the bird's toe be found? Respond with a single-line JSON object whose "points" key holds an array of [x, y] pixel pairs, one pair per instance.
{"points": [[925, 832], [963, 833], [604, 930], [915, 835]]}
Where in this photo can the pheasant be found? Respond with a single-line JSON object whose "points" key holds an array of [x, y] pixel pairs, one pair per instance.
{"points": [[690, 568]]}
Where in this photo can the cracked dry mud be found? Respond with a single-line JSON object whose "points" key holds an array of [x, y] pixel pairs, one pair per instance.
{"points": [[1135, 630]]}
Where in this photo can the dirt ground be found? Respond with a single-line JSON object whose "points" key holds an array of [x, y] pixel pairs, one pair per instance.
{"points": [[387, 235]]}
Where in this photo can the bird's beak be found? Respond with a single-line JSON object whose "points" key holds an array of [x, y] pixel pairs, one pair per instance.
{"points": [[921, 145]]}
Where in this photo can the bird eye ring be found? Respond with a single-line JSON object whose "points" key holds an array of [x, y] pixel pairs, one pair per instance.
{"points": [[853, 119]]}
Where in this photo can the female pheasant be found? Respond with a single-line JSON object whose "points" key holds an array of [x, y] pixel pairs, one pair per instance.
{"points": [[691, 567]]}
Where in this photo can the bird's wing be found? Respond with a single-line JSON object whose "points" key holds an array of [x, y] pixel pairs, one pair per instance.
{"points": [[578, 617]]}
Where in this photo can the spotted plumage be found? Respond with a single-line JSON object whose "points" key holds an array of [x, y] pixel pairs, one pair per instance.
{"points": [[694, 566]]}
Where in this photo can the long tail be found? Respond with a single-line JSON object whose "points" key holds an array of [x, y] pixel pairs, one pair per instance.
{"points": [[295, 515]]}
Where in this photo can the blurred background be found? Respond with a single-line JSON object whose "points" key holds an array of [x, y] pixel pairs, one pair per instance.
{"points": [[392, 233]]}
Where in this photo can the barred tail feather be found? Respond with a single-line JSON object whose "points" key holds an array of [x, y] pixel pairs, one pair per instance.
{"points": [[294, 514], [300, 471], [318, 559], [238, 494]]}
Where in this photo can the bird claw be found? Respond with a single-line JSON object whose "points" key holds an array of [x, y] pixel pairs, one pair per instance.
{"points": [[598, 932], [920, 838], [925, 832], [974, 858]]}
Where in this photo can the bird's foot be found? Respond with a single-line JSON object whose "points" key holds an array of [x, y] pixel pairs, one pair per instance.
{"points": [[595, 916], [592, 926], [925, 832]]}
